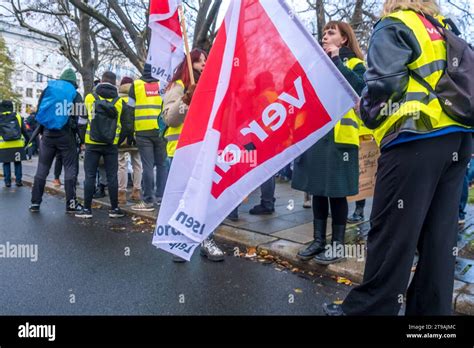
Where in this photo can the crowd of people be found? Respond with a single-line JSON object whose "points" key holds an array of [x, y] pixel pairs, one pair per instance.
{"points": [[420, 183]]}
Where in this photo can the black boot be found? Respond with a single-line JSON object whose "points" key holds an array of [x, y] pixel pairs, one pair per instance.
{"points": [[336, 252], [318, 244]]}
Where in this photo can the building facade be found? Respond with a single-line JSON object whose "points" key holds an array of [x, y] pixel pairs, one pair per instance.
{"points": [[37, 60]]}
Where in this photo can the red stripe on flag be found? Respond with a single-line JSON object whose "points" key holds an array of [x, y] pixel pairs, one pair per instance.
{"points": [[159, 6], [173, 24], [203, 99]]}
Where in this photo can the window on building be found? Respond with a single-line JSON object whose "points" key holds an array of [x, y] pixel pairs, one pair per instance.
{"points": [[19, 75], [20, 90], [39, 77], [29, 76], [18, 108], [29, 92], [38, 93]]}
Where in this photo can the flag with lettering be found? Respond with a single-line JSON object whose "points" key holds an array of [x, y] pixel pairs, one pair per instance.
{"points": [[166, 44], [267, 94]]}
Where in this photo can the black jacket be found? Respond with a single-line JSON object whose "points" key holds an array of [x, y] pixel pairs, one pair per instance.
{"points": [[392, 47], [354, 77]]}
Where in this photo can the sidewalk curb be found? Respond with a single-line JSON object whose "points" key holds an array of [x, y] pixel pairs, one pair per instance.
{"points": [[463, 296]]}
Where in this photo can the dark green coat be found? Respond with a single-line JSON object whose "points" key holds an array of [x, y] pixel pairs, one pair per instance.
{"points": [[329, 169]]}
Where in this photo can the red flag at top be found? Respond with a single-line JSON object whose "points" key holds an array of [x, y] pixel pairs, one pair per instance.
{"points": [[166, 45], [267, 94]]}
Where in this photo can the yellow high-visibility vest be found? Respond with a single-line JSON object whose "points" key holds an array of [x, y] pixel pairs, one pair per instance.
{"points": [[90, 99], [172, 133], [148, 105], [12, 144], [347, 129], [418, 107]]}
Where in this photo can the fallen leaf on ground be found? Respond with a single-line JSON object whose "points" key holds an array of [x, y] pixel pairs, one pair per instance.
{"points": [[339, 302], [298, 291], [251, 252], [342, 280], [295, 270]]}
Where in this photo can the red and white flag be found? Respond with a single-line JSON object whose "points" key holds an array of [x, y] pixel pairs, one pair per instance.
{"points": [[166, 45], [268, 93]]}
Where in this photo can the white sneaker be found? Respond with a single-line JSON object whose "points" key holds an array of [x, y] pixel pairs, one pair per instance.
{"points": [[142, 206], [210, 250]]}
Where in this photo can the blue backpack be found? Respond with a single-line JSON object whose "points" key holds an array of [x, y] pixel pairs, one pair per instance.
{"points": [[56, 104]]}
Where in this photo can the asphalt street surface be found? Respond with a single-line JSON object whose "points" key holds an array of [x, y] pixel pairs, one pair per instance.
{"points": [[109, 267]]}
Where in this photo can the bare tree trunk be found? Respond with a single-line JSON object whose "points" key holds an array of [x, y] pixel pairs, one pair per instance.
{"points": [[87, 69], [357, 18], [206, 19], [321, 18]]}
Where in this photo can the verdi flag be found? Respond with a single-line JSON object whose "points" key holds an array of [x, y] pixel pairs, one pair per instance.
{"points": [[166, 44], [267, 94]]}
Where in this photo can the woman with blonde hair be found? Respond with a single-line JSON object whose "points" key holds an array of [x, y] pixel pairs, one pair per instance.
{"points": [[424, 155]]}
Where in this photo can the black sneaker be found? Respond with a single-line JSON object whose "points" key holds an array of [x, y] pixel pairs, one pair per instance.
{"points": [[75, 210], [116, 213], [19, 184], [34, 208], [8, 184], [84, 214], [261, 210]]}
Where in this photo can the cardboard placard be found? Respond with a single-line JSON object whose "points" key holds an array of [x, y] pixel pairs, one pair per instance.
{"points": [[369, 154]]}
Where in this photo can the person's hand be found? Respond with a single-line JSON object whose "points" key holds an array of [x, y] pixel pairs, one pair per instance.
{"points": [[188, 96], [331, 50]]}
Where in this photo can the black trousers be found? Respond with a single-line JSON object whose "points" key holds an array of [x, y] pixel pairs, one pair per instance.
{"points": [[91, 164], [65, 146], [415, 206], [58, 166]]}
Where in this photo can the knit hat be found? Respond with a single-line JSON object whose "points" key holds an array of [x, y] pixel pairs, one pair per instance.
{"points": [[126, 80], [69, 75], [6, 106]]}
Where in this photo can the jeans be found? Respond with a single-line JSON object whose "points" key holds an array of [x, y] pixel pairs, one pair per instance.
{"points": [[268, 193], [7, 172], [91, 164], [152, 152]]}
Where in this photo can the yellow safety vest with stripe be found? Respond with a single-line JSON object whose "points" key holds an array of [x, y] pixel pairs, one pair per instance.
{"points": [[347, 129], [148, 105], [12, 144], [419, 105], [90, 99], [172, 133]]}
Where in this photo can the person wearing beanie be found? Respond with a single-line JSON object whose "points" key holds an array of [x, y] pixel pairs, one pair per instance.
{"points": [[64, 141], [146, 101], [13, 137], [128, 145]]}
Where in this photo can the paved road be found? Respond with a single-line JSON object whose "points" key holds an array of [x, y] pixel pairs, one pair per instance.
{"points": [[85, 262]]}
